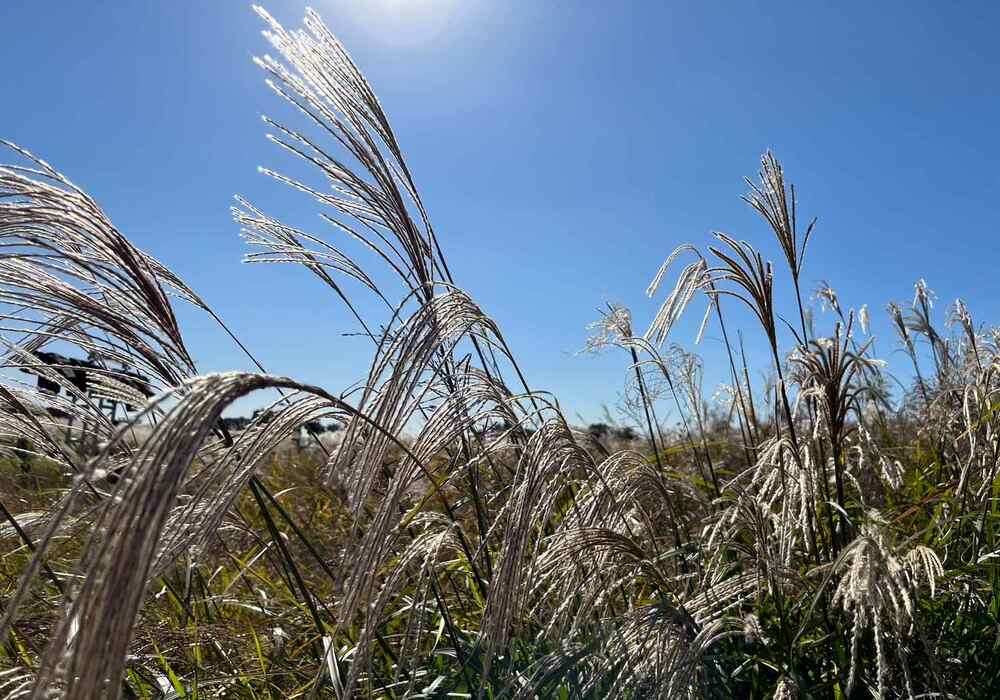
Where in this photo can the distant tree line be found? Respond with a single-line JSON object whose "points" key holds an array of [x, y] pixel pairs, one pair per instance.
{"points": [[603, 431], [598, 431], [238, 423]]}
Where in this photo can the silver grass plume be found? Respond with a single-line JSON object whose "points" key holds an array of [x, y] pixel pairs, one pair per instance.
{"points": [[118, 559], [878, 589]]}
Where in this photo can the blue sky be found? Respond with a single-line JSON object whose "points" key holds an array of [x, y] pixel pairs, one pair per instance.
{"points": [[563, 149]]}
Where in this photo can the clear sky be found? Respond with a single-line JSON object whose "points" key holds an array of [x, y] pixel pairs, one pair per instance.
{"points": [[563, 150]]}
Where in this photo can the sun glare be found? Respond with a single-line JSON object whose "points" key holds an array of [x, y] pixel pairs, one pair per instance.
{"points": [[408, 22]]}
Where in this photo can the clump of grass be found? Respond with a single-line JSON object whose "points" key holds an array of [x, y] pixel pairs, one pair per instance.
{"points": [[817, 536]]}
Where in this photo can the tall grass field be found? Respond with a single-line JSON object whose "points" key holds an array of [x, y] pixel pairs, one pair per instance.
{"points": [[825, 527]]}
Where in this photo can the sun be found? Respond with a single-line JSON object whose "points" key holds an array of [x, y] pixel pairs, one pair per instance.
{"points": [[409, 22]]}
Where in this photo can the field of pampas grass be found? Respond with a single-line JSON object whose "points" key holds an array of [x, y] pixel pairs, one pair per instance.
{"points": [[821, 534]]}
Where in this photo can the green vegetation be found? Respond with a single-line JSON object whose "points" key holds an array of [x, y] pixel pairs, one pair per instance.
{"points": [[821, 535]]}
